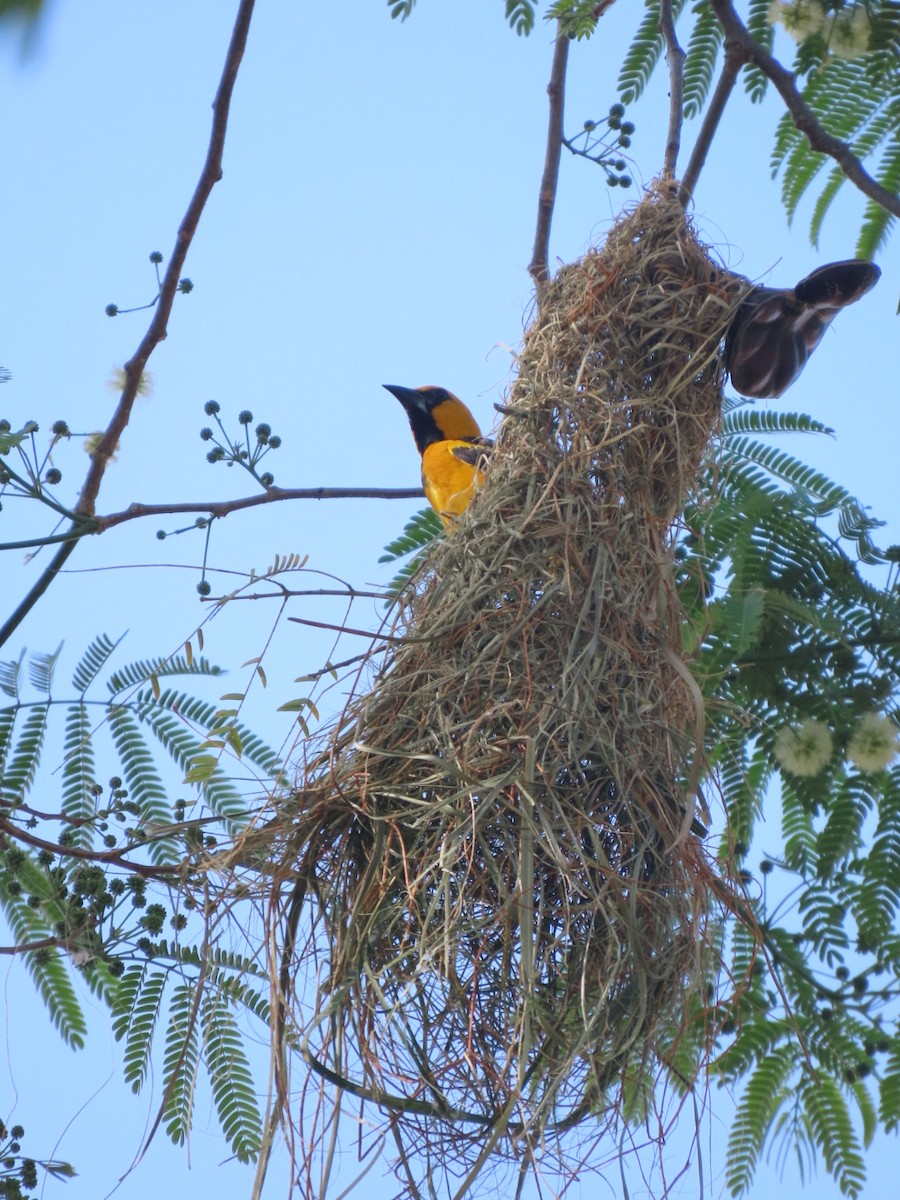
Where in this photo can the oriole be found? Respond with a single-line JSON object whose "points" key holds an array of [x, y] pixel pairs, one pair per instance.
{"points": [[453, 451], [776, 330]]}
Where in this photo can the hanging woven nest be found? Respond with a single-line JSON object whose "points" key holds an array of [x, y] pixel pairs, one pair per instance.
{"points": [[508, 900]]}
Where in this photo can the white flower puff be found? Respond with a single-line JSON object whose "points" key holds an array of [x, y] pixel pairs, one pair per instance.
{"points": [[804, 750], [874, 743]]}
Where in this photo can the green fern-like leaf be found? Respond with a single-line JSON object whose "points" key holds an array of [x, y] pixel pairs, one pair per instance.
{"points": [[145, 786], [889, 1087], [41, 668], [21, 766], [401, 9], [824, 924], [801, 849], [850, 803], [831, 1129], [879, 897], [742, 418], [520, 15], [137, 673], [856, 101], [760, 27], [47, 969], [173, 733], [643, 54], [92, 662], [766, 1090], [181, 1062], [233, 1090], [7, 721], [78, 773], [578, 17], [421, 529], [10, 676], [877, 221], [701, 57], [135, 1014]]}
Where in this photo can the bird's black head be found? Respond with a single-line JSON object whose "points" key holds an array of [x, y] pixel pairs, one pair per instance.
{"points": [[435, 415]]}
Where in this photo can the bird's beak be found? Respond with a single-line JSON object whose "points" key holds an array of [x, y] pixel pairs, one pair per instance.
{"points": [[411, 399]]}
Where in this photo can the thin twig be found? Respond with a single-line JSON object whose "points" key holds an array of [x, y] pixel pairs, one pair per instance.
{"points": [[803, 117], [675, 62], [556, 90], [21, 611], [156, 332], [735, 57], [221, 508], [115, 856]]}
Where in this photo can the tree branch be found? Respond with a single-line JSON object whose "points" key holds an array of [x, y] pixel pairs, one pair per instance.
{"points": [[802, 115], [556, 90], [735, 57], [675, 62], [221, 508], [115, 856], [156, 332]]}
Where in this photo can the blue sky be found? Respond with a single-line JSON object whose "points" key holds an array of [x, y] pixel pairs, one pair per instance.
{"points": [[373, 225]]}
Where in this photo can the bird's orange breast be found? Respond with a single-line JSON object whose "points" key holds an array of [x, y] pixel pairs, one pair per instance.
{"points": [[449, 482]]}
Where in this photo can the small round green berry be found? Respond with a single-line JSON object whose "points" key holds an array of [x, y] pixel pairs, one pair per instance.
{"points": [[185, 285], [245, 417], [206, 434], [112, 310], [54, 475], [203, 588], [156, 257], [60, 428], [267, 479], [211, 407]]}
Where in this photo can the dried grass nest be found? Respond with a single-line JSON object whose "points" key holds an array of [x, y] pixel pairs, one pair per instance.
{"points": [[507, 900]]}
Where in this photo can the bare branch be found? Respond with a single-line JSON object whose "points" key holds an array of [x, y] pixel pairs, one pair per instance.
{"points": [[156, 332], [116, 856], [802, 115], [21, 611], [556, 90], [675, 61], [221, 508], [735, 57]]}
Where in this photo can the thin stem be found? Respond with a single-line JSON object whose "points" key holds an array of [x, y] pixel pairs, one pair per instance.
{"points": [[556, 90], [803, 117], [217, 508], [156, 332], [735, 57], [675, 62], [21, 611]]}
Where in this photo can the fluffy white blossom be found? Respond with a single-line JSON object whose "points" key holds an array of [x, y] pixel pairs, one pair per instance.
{"points": [[849, 37], [846, 33], [801, 19], [804, 750], [874, 743]]}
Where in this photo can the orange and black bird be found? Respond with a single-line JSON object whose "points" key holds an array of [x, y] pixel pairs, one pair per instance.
{"points": [[776, 330], [453, 451]]}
